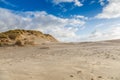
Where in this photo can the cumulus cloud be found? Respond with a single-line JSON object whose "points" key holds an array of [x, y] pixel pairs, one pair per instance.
{"points": [[112, 10], [63, 29], [76, 2]]}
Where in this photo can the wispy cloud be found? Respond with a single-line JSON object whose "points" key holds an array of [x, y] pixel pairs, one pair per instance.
{"points": [[76, 2], [92, 2], [109, 34], [7, 3], [104, 31]]}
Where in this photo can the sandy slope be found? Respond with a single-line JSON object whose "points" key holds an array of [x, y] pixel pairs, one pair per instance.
{"points": [[61, 61]]}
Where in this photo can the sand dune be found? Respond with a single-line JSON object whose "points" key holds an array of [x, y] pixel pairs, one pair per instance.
{"points": [[61, 61]]}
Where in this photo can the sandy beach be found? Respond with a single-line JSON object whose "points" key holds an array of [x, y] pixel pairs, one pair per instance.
{"points": [[61, 61], [59, 39]]}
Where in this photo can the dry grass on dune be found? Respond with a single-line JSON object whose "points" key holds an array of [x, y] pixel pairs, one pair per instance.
{"points": [[24, 37]]}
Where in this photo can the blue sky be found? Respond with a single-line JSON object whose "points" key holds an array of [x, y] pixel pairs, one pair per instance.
{"points": [[63, 9], [67, 20]]}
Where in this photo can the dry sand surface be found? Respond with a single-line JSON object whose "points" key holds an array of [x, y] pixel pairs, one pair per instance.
{"points": [[61, 61]]}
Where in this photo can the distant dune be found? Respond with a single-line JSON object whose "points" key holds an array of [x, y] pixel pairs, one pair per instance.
{"points": [[24, 37]]}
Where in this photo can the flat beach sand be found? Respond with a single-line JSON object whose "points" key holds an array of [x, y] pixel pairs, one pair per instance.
{"points": [[61, 61]]}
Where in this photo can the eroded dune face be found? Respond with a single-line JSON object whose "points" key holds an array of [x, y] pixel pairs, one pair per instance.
{"points": [[24, 37], [61, 61]]}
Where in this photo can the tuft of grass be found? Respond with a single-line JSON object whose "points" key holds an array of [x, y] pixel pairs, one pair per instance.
{"points": [[13, 36], [29, 43], [3, 36], [19, 43], [44, 47], [36, 33], [50, 37], [17, 31], [1, 44], [4, 44]]}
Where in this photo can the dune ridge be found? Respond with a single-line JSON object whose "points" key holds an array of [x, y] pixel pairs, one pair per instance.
{"points": [[24, 37]]}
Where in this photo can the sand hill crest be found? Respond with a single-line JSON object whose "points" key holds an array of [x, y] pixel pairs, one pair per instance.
{"points": [[24, 37]]}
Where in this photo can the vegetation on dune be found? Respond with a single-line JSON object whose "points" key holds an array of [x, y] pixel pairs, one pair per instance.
{"points": [[50, 37], [19, 43], [22, 37], [3, 36]]}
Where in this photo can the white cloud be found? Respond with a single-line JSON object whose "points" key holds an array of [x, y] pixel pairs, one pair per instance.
{"points": [[62, 28], [112, 10], [102, 2], [80, 17], [76, 2]]}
